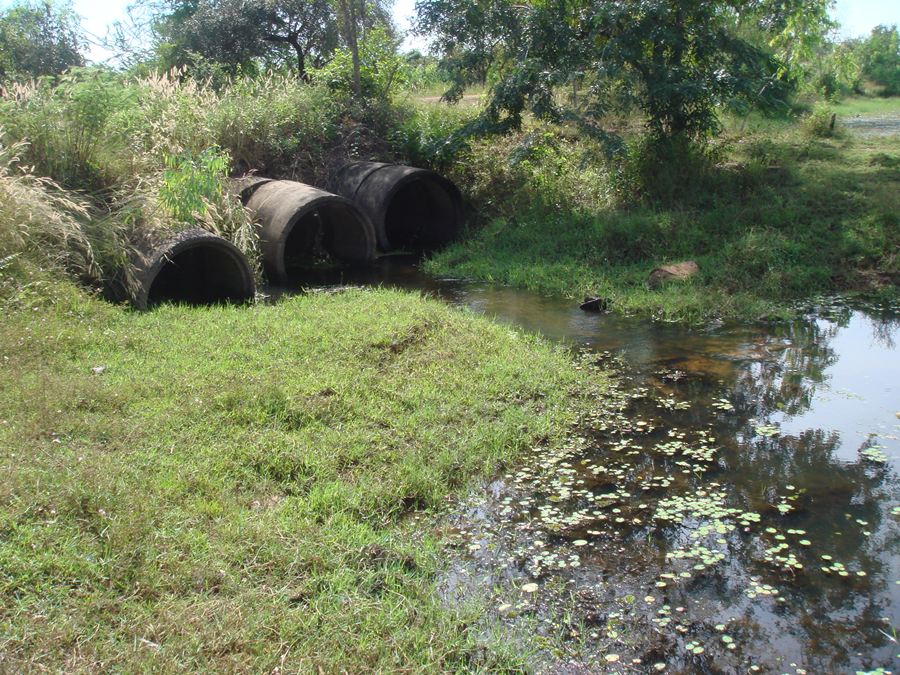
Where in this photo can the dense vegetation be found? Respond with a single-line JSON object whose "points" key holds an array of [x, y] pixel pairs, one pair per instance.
{"points": [[772, 213], [237, 488], [630, 156]]}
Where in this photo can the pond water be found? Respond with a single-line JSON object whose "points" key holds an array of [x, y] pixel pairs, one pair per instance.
{"points": [[734, 508]]}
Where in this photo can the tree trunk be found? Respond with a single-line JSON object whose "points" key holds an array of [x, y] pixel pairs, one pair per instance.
{"points": [[301, 61]]}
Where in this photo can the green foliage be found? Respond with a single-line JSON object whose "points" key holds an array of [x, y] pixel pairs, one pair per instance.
{"points": [[821, 121], [41, 220], [770, 216], [66, 125], [837, 72], [235, 32], [381, 68], [189, 183], [423, 73], [796, 30], [676, 61], [256, 35], [881, 59], [668, 171], [39, 38], [97, 131]]}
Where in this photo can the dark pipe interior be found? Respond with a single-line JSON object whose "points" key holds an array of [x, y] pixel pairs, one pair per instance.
{"points": [[300, 247], [200, 275], [332, 232], [420, 216]]}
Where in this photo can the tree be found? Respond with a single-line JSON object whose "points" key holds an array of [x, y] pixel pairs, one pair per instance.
{"points": [[349, 12], [235, 32], [677, 60], [379, 66], [796, 33], [881, 59], [303, 33], [40, 38]]}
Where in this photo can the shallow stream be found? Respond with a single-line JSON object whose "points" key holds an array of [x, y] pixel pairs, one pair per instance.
{"points": [[735, 508]]}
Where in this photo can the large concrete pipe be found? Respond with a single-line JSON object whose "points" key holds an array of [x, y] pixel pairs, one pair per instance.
{"points": [[246, 186], [298, 222], [194, 267], [411, 209]]}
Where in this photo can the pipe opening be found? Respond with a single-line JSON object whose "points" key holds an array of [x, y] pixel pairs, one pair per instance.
{"points": [[421, 215], [332, 233], [200, 275]]}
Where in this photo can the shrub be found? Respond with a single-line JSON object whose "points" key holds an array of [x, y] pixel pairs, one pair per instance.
{"points": [[668, 170], [188, 184], [820, 123], [65, 124]]}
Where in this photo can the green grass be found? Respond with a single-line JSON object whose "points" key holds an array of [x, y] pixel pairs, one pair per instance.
{"points": [[867, 105], [781, 216], [249, 488]]}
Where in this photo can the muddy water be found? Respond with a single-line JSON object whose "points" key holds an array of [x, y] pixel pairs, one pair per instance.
{"points": [[734, 508]]}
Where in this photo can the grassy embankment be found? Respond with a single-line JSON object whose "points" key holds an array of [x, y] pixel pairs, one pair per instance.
{"points": [[780, 210], [246, 489], [228, 489], [783, 211]]}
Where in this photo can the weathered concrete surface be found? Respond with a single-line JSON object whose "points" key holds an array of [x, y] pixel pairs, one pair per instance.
{"points": [[298, 221], [410, 208], [194, 267]]}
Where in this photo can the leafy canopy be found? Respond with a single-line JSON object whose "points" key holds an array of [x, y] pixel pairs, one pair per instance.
{"points": [[298, 33], [881, 58], [676, 60], [39, 38]]}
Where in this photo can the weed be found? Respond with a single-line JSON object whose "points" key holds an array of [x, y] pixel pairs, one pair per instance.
{"points": [[821, 122]]}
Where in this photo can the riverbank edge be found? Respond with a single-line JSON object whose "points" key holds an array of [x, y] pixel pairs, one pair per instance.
{"points": [[784, 216]]}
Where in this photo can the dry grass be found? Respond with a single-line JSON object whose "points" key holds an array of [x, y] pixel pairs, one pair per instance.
{"points": [[38, 217]]}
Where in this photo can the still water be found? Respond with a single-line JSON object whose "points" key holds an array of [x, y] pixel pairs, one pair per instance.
{"points": [[734, 508]]}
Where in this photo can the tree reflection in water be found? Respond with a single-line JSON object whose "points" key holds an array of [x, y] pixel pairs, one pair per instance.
{"points": [[765, 396]]}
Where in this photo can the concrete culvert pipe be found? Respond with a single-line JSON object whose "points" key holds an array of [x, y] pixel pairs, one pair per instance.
{"points": [[246, 186], [299, 224], [194, 267], [411, 209]]}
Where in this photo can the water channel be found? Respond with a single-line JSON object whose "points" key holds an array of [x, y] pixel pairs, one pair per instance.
{"points": [[734, 508]]}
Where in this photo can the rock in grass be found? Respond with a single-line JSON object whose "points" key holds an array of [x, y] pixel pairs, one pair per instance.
{"points": [[676, 271]]}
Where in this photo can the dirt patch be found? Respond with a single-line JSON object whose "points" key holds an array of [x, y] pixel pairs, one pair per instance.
{"points": [[873, 125]]}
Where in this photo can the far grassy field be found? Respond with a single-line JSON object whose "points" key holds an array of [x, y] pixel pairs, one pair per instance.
{"points": [[246, 489], [868, 105], [786, 211]]}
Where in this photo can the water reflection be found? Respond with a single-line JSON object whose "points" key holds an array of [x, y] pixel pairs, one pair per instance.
{"points": [[735, 506]]}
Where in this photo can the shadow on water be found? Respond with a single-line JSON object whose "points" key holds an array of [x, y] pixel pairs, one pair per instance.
{"points": [[733, 508]]}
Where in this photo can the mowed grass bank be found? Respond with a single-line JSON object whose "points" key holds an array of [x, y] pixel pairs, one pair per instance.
{"points": [[780, 214], [248, 488]]}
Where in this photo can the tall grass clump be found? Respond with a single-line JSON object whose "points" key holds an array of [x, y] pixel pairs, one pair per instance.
{"points": [[147, 157], [270, 124], [41, 220], [66, 125], [541, 172], [432, 135]]}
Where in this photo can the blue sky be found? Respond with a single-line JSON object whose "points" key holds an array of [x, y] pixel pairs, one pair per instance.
{"points": [[857, 17]]}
